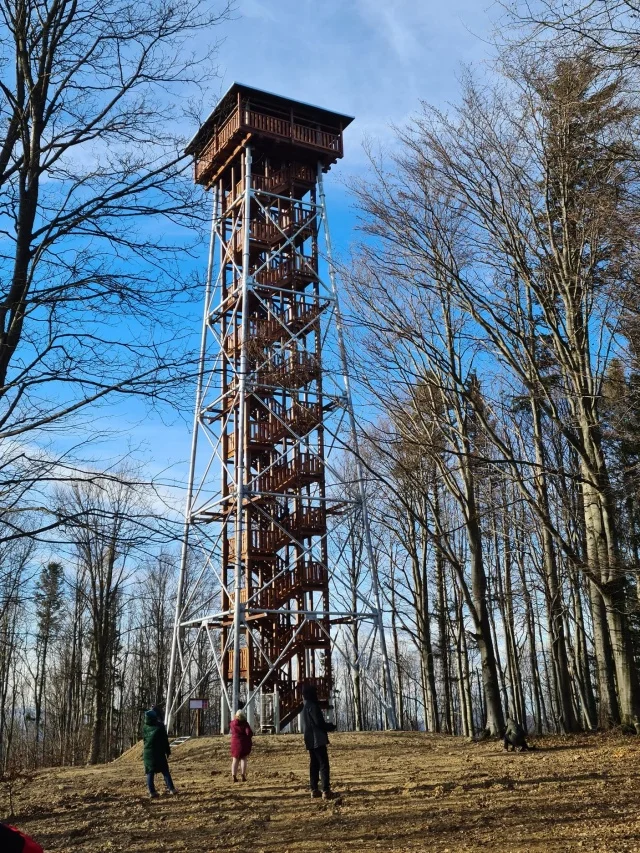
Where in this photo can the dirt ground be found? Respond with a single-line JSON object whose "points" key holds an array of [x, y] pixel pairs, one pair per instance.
{"points": [[401, 791]]}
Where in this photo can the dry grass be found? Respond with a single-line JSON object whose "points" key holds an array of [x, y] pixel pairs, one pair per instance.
{"points": [[399, 792]]}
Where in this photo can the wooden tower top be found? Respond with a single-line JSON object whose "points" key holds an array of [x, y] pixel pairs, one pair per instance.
{"points": [[284, 128]]}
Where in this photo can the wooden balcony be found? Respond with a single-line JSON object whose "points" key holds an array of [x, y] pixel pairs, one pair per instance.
{"points": [[285, 181], [303, 577], [295, 273], [298, 223], [256, 542], [265, 331], [222, 136], [298, 419], [280, 128], [303, 469], [243, 121], [296, 370]]}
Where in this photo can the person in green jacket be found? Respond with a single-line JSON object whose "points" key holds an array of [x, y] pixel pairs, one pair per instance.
{"points": [[156, 751]]}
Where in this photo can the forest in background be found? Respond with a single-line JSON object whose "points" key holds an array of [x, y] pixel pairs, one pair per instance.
{"points": [[495, 319]]}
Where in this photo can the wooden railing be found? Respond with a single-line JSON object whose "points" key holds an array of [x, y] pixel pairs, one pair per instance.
{"points": [[310, 634], [310, 520], [260, 433], [264, 331], [304, 466], [258, 663], [316, 138], [244, 662], [299, 221], [260, 232], [300, 418], [303, 576], [278, 181], [265, 123], [217, 141], [292, 268], [255, 542], [232, 598], [293, 371], [246, 119]]}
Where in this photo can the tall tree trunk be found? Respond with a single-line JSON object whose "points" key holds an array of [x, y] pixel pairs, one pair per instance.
{"points": [[583, 673], [553, 595], [513, 660], [396, 652], [464, 681], [607, 699], [425, 637], [98, 729], [443, 640], [602, 538], [495, 719], [355, 668]]}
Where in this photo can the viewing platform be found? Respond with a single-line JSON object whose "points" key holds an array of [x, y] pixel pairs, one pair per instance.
{"points": [[290, 128]]}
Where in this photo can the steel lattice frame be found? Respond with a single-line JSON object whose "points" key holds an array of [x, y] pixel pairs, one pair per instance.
{"points": [[268, 504]]}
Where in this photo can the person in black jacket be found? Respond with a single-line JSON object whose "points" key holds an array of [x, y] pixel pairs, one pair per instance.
{"points": [[156, 751], [316, 740]]}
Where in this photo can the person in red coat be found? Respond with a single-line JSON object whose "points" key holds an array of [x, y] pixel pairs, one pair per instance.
{"points": [[241, 736], [14, 841]]}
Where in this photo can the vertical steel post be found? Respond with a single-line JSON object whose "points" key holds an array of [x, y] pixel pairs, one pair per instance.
{"points": [[242, 439], [391, 704], [171, 700]]}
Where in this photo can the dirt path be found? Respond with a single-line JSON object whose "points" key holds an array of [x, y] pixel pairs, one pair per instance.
{"points": [[399, 792]]}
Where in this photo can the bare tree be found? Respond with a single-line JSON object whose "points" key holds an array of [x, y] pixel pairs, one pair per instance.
{"points": [[98, 215], [49, 602], [425, 380], [529, 195], [608, 28], [104, 536]]}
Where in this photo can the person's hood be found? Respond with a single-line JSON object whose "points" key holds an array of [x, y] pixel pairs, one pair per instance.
{"points": [[309, 693], [150, 718]]}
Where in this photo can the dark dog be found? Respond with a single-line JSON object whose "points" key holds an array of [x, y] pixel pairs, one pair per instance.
{"points": [[515, 737]]}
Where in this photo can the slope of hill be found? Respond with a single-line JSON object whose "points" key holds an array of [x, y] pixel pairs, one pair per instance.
{"points": [[400, 791]]}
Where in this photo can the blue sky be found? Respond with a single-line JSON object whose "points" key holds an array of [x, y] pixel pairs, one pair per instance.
{"points": [[373, 59]]}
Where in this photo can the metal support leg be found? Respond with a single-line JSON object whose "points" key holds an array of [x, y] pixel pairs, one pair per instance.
{"points": [[238, 610], [225, 716], [175, 643], [373, 565]]}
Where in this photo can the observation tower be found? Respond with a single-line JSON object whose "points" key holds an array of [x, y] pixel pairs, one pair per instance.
{"points": [[269, 505]]}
